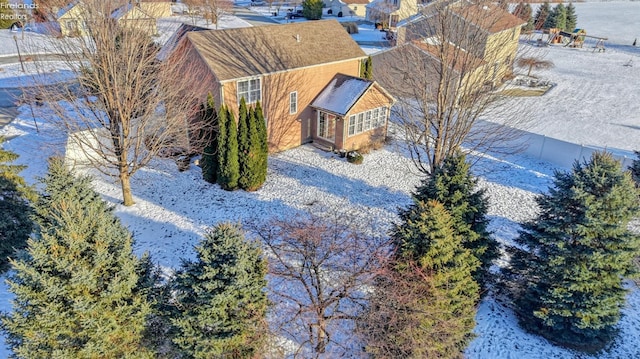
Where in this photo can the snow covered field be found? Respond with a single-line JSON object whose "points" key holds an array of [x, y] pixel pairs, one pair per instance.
{"points": [[595, 102]]}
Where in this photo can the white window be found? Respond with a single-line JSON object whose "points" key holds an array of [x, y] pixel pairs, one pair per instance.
{"points": [[352, 125], [368, 120], [250, 90], [293, 102]]}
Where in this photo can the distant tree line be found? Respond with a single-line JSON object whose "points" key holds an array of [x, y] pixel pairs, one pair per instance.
{"points": [[561, 17]]}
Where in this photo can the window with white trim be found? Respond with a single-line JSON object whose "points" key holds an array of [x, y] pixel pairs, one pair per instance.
{"points": [[368, 120], [250, 90], [293, 102]]}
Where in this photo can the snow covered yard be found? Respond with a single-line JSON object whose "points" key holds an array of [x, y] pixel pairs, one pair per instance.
{"points": [[595, 103]]}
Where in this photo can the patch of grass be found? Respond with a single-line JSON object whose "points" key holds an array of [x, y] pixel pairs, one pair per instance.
{"points": [[523, 92]]}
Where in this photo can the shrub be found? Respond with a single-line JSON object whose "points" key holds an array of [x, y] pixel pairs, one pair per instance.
{"points": [[354, 157], [351, 27]]}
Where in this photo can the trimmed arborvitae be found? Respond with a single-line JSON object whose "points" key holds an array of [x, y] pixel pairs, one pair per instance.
{"points": [[209, 158], [426, 306], [635, 169], [221, 143], [15, 222], [263, 157], [453, 185], [572, 18], [220, 297], [541, 16], [567, 273], [366, 68], [255, 175], [244, 156], [228, 170], [76, 285]]}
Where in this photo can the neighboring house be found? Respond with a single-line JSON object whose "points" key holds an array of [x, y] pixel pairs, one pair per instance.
{"points": [[156, 9], [304, 74], [175, 39], [490, 33], [71, 19], [348, 7], [133, 17], [390, 12]]}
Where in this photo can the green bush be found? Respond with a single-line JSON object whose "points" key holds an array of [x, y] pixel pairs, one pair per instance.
{"points": [[354, 157]]}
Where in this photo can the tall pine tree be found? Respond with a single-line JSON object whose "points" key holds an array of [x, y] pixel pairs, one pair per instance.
{"points": [[567, 274], [426, 306], [453, 185], [15, 222], [209, 158], [541, 15], [221, 297], [572, 18], [76, 285]]}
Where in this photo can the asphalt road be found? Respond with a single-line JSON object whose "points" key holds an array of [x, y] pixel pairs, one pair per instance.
{"points": [[252, 17]]}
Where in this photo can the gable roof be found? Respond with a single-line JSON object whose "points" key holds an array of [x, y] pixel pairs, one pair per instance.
{"points": [[489, 17], [341, 94], [62, 12], [126, 11], [251, 51], [173, 41]]}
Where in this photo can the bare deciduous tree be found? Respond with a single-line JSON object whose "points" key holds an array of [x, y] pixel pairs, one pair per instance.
{"points": [[128, 107], [531, 63], [213, 10], [443, 72], [319, 271]]}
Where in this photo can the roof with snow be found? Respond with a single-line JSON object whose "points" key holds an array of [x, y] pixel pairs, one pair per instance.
{"points": [[489, 17], [66, 9], [128, 9], [341, 94], [250, 51], [355, 2]]}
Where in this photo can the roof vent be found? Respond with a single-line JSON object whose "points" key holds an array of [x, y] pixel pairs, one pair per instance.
{"points": [[297, 37], [485, 7]]}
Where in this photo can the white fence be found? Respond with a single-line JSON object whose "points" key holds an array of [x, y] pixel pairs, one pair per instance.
{"points": [[564, 154]]}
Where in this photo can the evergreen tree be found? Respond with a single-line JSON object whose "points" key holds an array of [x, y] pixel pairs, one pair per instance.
{"points": [[568, 283], [263, 153], [453, 185], [635, 169], [221, 297], [243, 144], [312, 9], [76, 285], [541, 15], [256, 160], [232, 168], [209, 157], [229, 170], [15, 222], [572, 18], [366, 68], [222, 143], [560, 17], [524, 11], [426, 307]]}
